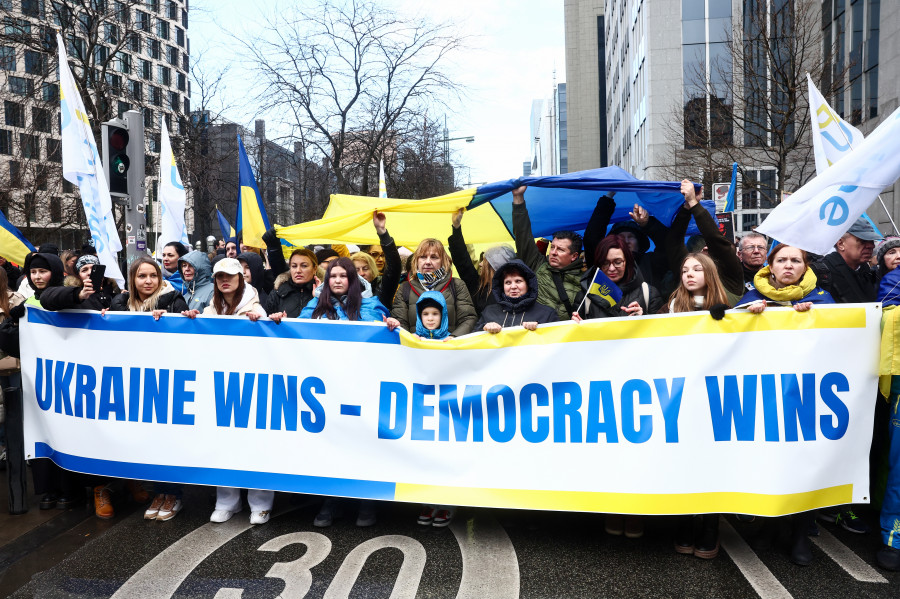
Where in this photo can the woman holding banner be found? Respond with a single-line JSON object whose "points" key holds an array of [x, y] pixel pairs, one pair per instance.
{"points": [[234, 297], [294, 288], [515, 301]]}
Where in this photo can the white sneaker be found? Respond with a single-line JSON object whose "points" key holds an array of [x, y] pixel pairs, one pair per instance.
{"points": [[220, 516], [260, 517]]}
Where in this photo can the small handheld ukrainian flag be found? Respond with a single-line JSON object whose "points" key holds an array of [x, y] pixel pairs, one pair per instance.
{"points": [[252, 220], [225, 226], [603, 287], [13, 246]]}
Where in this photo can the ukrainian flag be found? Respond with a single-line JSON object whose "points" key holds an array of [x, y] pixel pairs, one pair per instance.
{"points": [[225, 226], [13, 246], [252, 220], [603, 287]]}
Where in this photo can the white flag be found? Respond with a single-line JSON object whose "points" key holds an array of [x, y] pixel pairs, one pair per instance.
{"points": [[820, 212], [82, 166], [833, 137], [171, 194], [382, 186]]}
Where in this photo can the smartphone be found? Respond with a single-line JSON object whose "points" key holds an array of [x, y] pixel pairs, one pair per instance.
{"points": [[98, 271]]}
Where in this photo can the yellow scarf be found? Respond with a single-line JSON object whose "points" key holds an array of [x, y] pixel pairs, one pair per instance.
{"points": [[788, 293]]}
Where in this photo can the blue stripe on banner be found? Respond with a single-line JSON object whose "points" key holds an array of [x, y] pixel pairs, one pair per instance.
{"points": [[292, 483], [129, 322], [349, 410]]}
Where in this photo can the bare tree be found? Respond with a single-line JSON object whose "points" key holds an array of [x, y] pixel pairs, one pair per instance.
{"points": [[349, 73]]}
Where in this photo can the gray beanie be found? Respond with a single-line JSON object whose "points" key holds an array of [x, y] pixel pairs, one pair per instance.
{"points": [[889, 243], [499, 255], [86, 259]]}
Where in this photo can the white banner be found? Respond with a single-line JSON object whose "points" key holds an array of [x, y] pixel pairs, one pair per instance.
{"points": [[760, 414], [171, 193], [82, 166], [833, 137]]}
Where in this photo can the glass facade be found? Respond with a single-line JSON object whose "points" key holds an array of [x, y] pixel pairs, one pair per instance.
{"points": [[851, 33]]}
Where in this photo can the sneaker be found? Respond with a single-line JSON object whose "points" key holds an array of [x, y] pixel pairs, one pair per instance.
{"points": [[48, 501], [442, 518], [327, 513], [219, 516], [851, 522], [170, 507], [259, 517], [137, 490], [427, 515], [634, 527], [888, 558], [103, 507], [153, 511], [366, 517], [65, 502], [615, 524]]}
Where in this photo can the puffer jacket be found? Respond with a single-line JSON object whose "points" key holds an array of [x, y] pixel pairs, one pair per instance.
{"points": [[460, 308], [57, 273], [249, 303], [199, 290], [370, 309], [512, 312], [632, 291], [169, 300], [529, 254], [67, 296], [288, 296]]}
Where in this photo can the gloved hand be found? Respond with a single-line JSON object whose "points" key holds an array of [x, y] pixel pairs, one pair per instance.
{"points": [[17, 312], [271, 240]]}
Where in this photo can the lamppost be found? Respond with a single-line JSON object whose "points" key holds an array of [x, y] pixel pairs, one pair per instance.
{"points": [[447, 139]]}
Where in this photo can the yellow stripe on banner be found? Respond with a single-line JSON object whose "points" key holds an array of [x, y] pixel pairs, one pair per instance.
{"points": [[785, 319], [628, 503]]}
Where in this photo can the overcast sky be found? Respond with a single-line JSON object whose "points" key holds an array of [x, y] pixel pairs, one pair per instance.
{"points": [[518, 45]]}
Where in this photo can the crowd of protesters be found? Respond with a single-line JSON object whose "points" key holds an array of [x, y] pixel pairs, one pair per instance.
{"points": [[534, 283]]}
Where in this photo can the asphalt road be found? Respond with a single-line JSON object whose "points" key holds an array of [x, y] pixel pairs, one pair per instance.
{"points": [[484, 553]]}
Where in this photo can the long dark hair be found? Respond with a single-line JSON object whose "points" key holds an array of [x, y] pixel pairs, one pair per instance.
{"points": [[614, 242], [4, 293], [354, 293], [222, 308]]}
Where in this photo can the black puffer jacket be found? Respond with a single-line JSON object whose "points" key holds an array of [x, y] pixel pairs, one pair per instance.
{"points": [[288, 296], [632, 291], [512, 312], [67, 296], [57, 272]]}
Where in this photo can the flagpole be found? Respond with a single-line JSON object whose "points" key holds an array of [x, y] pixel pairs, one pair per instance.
{"points": [[883, 205]]}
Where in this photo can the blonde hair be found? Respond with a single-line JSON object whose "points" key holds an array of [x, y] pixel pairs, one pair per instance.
{"points": [[135, 304], [682, 300], [364, 257], [427, 245]]}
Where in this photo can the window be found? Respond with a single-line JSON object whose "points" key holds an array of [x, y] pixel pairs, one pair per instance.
{"points": [[54, 150], [162, 29], [184, 18], [134, 42], [123, 108], [4, 201], [124, 63], [165, 75], [155, 96], [143, 20], [75, 47], [153, 48], [182, 82], [122, 14], [15, 174], [33, 8], [35, 63], [173, 11], [29, 146], [50, 92], [55, 209], [7, 58], [20, 86], [153, 146], [172, 56], [6, 141], [67, 186], [15, 114], [148, 118], [112, 34], [16, 27], [175, 101], [114, 82], [41, 120], [153, 5], [30, 206], [137, 92], [147, 70], [179, 36], [101, 54], [185, 66], [187, 106]]}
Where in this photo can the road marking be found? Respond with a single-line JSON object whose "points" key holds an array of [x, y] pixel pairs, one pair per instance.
{"points": [[162, 575], [846, 558], [407, 583], [757, 574], [490, 565], [229, 594]]}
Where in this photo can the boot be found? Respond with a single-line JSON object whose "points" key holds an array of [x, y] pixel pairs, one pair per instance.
{"points": [[103, 507], [138, 492], [801, 547], [707, 547]]}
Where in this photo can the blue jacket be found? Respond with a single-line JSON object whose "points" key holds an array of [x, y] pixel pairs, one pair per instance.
{"points": [[889, 288], [371, 308], [427, 298], [176, 281], [199, 291], [816, 296]]}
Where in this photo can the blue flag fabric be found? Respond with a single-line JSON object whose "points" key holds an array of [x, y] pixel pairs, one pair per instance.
{"points": [[13, 245], [604, 288], [729, 200], [567, 201], [252, 220], [224, 226]]}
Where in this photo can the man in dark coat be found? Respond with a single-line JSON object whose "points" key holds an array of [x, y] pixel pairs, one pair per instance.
{"points": [[845, 273]]}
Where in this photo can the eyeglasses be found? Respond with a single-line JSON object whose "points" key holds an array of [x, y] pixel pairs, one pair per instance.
{"points": [[750, 248], [614, 263]]}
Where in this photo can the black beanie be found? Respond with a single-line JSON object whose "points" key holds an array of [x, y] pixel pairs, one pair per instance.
{"points": [[38, 261]]}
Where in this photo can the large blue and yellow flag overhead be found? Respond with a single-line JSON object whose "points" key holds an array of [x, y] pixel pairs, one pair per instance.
{"points": [[560, 202], [252, 220], [13, 245]]}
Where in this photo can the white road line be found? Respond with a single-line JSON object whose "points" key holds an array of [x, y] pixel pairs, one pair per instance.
{"points": [[229, 594], [162, 575], [846, 558], [407, 584], [490, 565], [757, 574]]}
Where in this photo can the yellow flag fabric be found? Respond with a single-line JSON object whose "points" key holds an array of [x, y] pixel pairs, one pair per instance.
{"points": [[348, 219]]}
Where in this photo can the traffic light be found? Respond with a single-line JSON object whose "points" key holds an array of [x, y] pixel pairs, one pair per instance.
{"points": [[115, 156]]}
